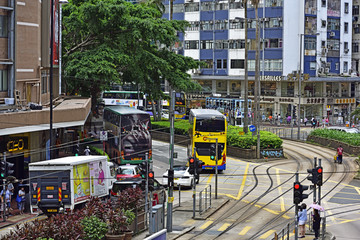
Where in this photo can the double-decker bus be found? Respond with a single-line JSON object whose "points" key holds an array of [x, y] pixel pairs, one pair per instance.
{"points": [[232, 108], [207, 125], [132, 99], [129, 138], [180, 105]]}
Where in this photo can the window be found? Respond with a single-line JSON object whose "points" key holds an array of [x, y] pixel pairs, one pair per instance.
{"points": [[225, 63], [333, 44], [237, 63], [323, 23], [194, 26], [237, 24], [44, 81], [346, 67], [206, 44], [323, 3], [333, 24], [346, 27], [346, 8], [337, 66], [3, 26], [356, 28], [221, 24], [312, 65], [310, 43], [355, 47], [323, 44], [355, 11], [236, 44], [3, 81], [192, 44], [206, 25], [346, 46], [218, 63], [236, 5], [221, 44], [191, 7], [273, 43], [208, 63], [270, 65]]}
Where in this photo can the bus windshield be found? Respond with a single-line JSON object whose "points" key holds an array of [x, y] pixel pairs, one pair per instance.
{"points": [[210, 125]]}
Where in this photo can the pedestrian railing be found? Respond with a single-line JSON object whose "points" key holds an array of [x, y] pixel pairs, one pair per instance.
{"points": [[205, 199], [287, 133]]}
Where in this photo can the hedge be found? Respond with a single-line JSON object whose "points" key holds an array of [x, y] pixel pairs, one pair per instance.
{"points": [[350, 138], [268, 140]]}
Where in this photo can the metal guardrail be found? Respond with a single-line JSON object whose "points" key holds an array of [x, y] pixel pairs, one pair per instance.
{"points": [[287, 133], [205, 199]]}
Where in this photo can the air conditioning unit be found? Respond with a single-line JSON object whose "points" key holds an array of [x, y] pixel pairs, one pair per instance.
{"points": [[266, 19], [197, 71], [190, 0], [328, 64], [327, 70], [332, 34], [324, 51], [321, 70], [346, 50]]}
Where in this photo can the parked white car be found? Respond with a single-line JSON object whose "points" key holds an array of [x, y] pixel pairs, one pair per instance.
{"points": [[345, 129], [181, 177]]}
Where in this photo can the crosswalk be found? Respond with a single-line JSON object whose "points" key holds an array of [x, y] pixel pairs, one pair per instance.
{"points": [[225, 226]]}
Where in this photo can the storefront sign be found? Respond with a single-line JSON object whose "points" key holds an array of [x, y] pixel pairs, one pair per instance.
{"points": [[197, 96], [13, 144], [286, 100], [271, 78], [315, 100], [345, 100]]}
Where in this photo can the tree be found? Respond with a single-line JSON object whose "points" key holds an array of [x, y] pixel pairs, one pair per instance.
{"points": [[355, 115], [113, 41]]}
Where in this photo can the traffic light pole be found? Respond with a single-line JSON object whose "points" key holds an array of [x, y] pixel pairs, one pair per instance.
{"points": [[314, 196], [147, 186], [319, 192], [171, 161], [216, 169], [194, 185], [296, 211]]}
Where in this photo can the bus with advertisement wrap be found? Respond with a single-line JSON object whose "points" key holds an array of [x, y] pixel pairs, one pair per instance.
{"points": [[207, 125], [129, 138], [132, 99]]}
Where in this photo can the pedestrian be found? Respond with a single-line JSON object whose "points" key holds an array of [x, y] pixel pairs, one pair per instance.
{"points": [[316, 223], [289, 119], [21, 199], [87, 151], [270, 119], [7, 195], [305, 121], [302, 220], [327, 121], [340, 151]]}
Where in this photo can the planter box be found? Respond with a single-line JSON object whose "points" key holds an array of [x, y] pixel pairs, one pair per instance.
{"points": [[349, 149], [231, 151]]}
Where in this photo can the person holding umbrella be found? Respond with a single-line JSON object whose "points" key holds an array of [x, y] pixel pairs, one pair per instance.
{"points": [[316, 219]]}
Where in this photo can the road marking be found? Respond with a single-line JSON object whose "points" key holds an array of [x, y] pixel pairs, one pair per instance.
{"points": [[245, 230], [282, 203], [243, 182], [209, 179], [267, 234], [189, 222], [205, 225], [347, 198], [358, 190], [224, 227], [329, 212]]}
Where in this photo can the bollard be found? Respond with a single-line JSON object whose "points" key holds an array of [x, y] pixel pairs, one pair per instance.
{"points": [[200, 203], [288, 231], [179, 195], [205, 198], [323, 228]]}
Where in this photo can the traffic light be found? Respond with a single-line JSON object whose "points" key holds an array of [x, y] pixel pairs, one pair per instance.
{"points": [[313, 175], [199, 166], [319, 178], [144, 168], [77, 149], [294, 112], [299, 196], [191, 165], [170, 177], [6, 168], [212, 151], [151, 180]]}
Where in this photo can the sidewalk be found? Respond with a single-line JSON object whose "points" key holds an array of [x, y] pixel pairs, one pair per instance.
{"points": [[15, 216]]}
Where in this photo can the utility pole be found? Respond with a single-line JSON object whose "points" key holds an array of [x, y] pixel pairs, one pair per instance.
{"points": [[171, 161], [296, 210], [299, 92], [257, 83], [246, 97], [51, 74], [314, 192], [319, 192]]}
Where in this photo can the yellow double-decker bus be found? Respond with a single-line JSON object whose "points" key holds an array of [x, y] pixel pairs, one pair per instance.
{"points": [[207, 125]]}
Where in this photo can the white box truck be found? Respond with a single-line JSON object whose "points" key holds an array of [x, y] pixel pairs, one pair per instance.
{"points": [[67, 183]]}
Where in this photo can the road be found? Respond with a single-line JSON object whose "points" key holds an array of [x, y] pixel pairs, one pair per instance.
{"points": [[261, 193]]}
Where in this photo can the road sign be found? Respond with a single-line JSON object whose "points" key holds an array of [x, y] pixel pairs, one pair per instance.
{"points": [[328, 107], [252, 128], [103, 136]]}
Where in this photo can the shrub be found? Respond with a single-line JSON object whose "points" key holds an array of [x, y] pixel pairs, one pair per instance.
{"points": [[350, 138], [129, 199], [94, 228]]}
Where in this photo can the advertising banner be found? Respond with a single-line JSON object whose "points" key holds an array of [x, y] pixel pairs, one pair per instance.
{"points": [[97, 173], [81, 178]]}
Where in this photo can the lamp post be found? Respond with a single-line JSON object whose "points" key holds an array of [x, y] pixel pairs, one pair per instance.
{"points": [[257, 83], [299, 77]]}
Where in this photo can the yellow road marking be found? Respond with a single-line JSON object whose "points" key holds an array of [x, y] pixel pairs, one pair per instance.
{"points": [[329, 212], [282, 203], [243, 182], [267, 234], [189, 222], [358, 190], [245, 230], [209, 180], [205, 225], [224, 227]]}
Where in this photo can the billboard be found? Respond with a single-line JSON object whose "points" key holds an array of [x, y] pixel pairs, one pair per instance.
{"points": [[81, 178], [98, 181]]}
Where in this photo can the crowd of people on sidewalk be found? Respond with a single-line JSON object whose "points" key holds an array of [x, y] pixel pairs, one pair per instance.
{"points": [[277, 119], [11, 194]]}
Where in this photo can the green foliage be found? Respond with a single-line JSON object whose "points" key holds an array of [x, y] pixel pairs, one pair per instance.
{"points": [[268, 140], [130, 216], [94, 228], [350, 138], [114, 41]]}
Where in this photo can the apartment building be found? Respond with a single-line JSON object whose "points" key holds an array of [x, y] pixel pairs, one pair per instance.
{"points": [[311, 36], [25, 79]]}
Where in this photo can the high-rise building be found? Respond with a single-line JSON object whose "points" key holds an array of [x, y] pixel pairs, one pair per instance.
{"points": [[311, 36]]}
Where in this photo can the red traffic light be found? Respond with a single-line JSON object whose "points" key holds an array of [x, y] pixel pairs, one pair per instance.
{"points": [[319, 170], [297, 186], [191, 160], [151, 175]]}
